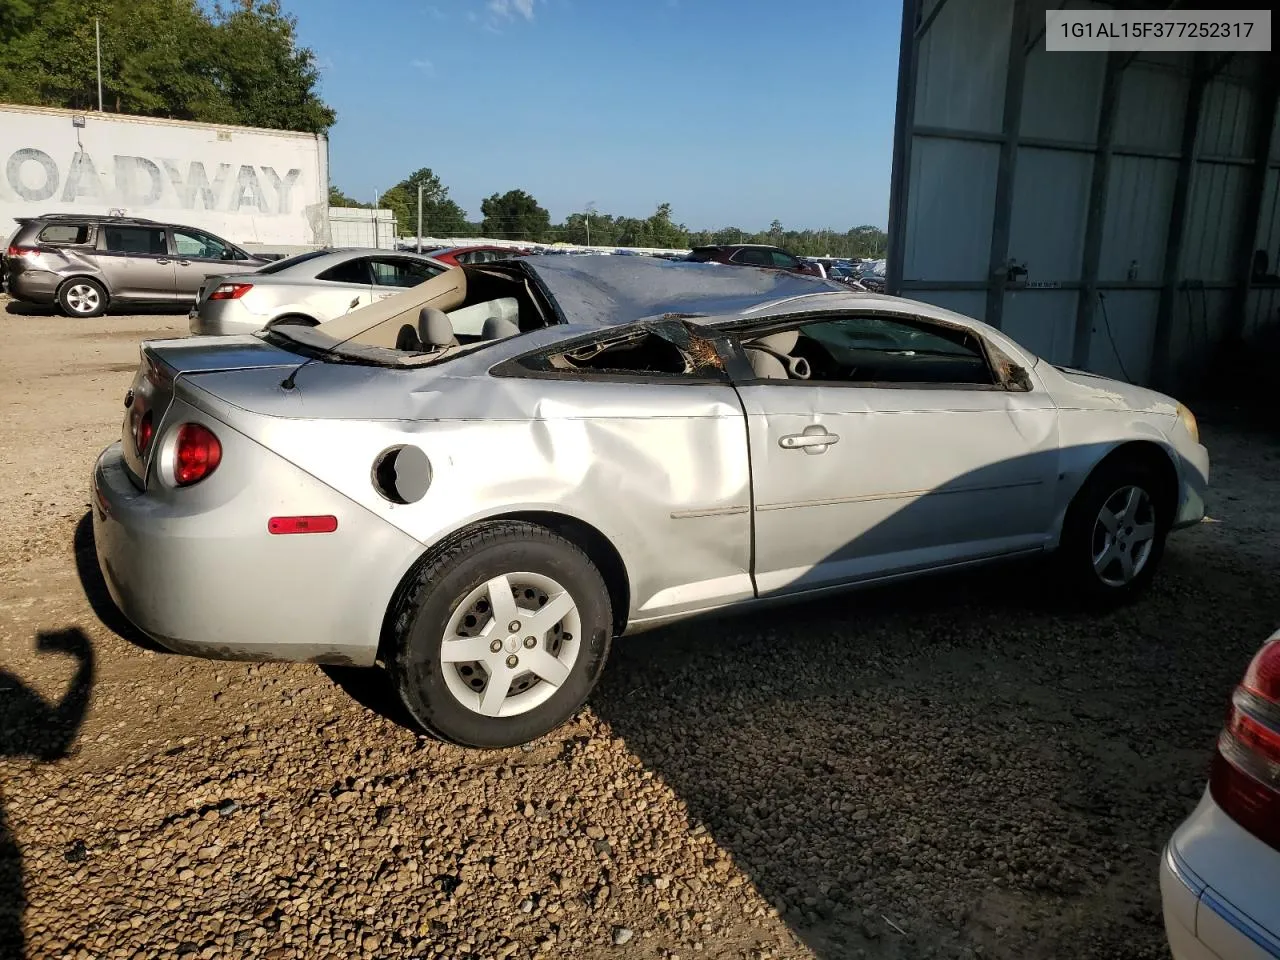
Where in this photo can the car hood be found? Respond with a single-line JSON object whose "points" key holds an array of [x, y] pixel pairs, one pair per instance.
{"points": [[1081, 390], [613, 290]]}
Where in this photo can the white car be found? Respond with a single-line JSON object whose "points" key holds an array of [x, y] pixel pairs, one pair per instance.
{"points": [[1220, 874], [306, 289]]}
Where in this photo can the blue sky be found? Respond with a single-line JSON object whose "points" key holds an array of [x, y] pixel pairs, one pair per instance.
{"points": [[736, 113]]}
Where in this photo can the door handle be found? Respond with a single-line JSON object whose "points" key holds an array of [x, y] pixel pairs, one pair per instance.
{"points": [[162, 260], [185, 263], [814, 439]]}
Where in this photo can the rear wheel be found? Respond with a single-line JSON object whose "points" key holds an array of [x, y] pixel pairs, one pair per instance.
{"points": [[499, 637], [1114, 533], [82, 297]]}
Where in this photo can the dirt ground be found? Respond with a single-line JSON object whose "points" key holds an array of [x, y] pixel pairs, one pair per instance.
{"points": [[958, 768]]}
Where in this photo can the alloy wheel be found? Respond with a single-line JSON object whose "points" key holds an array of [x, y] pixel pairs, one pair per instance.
{"points": [[510, 644], [1123, 536]]}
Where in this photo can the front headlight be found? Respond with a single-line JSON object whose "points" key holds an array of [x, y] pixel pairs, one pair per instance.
{"points": [[1188, 421]]}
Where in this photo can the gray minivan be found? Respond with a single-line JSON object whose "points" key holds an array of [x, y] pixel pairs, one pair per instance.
{"points": [[84, 263]]}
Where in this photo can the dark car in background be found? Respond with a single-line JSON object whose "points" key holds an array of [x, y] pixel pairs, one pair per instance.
{"points": [[85, 263], [752, 255]]}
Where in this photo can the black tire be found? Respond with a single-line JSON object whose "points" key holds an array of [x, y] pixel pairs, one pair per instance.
{"points": [[421, 614], [1080, 535], [82, 298]]}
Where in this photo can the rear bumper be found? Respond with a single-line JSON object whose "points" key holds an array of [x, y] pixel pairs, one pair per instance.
{"points": [[33, 286], [1208, 859], [224, 318], [207, 579]]}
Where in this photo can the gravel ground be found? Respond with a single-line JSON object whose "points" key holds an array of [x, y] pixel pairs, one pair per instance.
{"points": [[958, 768]]}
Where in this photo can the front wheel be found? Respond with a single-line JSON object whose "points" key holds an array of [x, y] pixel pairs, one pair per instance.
{"points": [[1114, 533], [499, 637]]}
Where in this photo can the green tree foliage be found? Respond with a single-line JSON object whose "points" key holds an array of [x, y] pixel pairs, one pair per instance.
{"points": [[163, 58], [514, 215], [339, 199], [441, 216]]}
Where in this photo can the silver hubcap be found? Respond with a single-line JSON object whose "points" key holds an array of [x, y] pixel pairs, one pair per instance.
{"points": [[83, 298], [1123, 536], [510, 644]]}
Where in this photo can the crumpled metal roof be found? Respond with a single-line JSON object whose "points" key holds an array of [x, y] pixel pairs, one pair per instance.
{"points": [[604, 291]]}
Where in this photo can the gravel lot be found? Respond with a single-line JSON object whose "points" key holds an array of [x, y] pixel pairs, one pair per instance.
{"points": [[955, 769]]}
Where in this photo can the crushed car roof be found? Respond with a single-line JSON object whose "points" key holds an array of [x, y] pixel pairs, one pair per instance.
{"points": [[605, 291]]}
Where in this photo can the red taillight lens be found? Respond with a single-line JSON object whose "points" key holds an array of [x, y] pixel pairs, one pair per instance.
{"points": [[17, 251], [1246, 771], [230, 291], [145, 431], [196, 454]]}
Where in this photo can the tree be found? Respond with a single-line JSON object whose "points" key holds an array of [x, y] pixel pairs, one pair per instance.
{"points": [[163, 58], [339, 199], [514, 215], [441, 216]]}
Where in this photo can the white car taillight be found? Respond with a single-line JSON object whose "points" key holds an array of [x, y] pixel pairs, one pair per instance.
{"points": [[1246, 769]]}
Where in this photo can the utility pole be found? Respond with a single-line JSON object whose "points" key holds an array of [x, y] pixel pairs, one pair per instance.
{"points": [[377, 241], [419, 217], [591, 205], [97, 45]]}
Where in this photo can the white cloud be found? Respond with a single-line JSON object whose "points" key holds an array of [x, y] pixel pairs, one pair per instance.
{"points": [[510, 9], [426, 66]]}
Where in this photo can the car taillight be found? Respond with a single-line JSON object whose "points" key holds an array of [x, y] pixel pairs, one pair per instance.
{"points": [[230, 291], [1245, 780], [196, 454], [144, 432], [17, 251]]}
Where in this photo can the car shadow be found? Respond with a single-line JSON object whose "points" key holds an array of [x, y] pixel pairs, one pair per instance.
{"points": [[33, 728], [96, 592], [371, 688], [19, 308]]}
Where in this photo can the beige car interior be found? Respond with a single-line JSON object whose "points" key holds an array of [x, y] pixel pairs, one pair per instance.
{"points": [[770, 357], [458, 310]]}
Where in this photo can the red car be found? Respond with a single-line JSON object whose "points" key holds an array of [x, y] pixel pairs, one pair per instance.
{"points": [[751, 255], [479, 254]]}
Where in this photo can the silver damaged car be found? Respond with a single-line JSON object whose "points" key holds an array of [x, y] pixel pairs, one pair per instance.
{"points": [[481, 481]]}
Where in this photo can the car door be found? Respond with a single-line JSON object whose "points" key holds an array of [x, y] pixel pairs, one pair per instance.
{"points": [[638, 438], [902, 450], [198, 256], [135, 262], [392, 275], [342, 288]]}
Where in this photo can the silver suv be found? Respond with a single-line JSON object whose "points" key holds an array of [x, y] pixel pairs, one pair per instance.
{"points": [[85, 263]]}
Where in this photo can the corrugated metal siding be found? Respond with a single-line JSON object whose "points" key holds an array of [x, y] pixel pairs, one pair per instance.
{"points": [[962, 66], [1149, 114], [1269, 222], [968, 303], [1213, 222], [1042, 320], [1226, 120], [953, 185], [1199, 322], [1137, 221], [1124, 326], [1050, 187], [1262, 310], [1060, 100]]}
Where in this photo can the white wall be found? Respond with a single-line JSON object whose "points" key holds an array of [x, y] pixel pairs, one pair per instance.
{"points": [[258, 187]]}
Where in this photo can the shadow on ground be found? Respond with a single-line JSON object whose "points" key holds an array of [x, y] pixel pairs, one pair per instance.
{"points": [[953, 766], [33, 728]]}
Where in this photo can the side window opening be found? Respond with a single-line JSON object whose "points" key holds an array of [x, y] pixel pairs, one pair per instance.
{"points": [[872, 350], [675, 352], [65, 233], [353, 271]]}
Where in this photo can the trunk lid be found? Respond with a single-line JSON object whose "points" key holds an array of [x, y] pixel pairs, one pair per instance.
{"points": [[163, 363]]}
